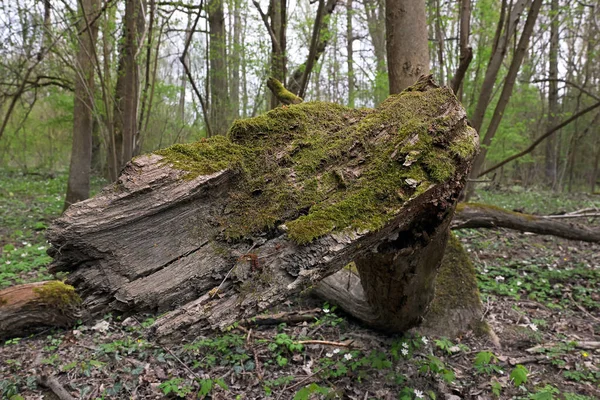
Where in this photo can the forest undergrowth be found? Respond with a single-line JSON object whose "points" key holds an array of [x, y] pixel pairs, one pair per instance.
{"points": [[540, 297]]}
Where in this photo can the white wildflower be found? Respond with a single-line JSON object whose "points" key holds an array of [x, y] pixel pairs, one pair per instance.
{"points": [[41, 248], [404, 352], [25, 243], [418, 394], [533, 327], [519, 283], [326, 310], [335, 351], [348, 356], [405, 345], [7, 262], [329, 355], [23, 254], [499, 278], [28, 244], [424, 340]]}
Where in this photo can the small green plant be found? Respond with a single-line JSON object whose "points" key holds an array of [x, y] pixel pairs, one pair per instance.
{"points": [[207, 385], [307, 391], [268, 385], [445, 345], [436, 366], [519, 375], [496, 388], [486, 363], [176, 386]]}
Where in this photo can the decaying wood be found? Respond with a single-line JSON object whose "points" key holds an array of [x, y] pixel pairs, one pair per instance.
{"points": [[157, 239], [471, 215], [54, 385], [23, 308]]}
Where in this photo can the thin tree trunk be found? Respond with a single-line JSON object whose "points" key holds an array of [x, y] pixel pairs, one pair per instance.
{"points": [[219, 102], [350, 53], [506, 90], [407, 48], [551, 160], [299, 78], [78, 186], [466, 53], [375, 12]]}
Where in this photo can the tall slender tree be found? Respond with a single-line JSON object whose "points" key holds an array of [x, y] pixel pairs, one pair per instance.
{"points": [[78, 186]]}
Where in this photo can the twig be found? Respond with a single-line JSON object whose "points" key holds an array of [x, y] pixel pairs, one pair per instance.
{"points": [[347, 343], [54, 385]]}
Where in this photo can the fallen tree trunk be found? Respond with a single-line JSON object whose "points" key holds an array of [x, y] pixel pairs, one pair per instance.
{"points": [[472, 215], [221, 229]]}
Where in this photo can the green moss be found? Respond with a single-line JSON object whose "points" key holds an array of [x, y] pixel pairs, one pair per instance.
{"points": [[284, 95], [204, 157], [58, 294], [456, 282], [320, 167]]}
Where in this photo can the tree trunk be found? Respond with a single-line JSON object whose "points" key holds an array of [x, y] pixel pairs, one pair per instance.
{"points": [[375, 12], [350, 53], [506, 93], [320, 38], [78, 186], [407, 48], [219, 101], [127, 88], [551, 160], [223, 228]]}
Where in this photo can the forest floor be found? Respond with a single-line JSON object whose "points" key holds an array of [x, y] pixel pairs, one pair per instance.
{"points": [[541, 297]]}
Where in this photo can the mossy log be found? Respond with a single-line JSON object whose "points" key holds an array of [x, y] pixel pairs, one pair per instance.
{"points": [[473, 215], [26, 308], [219, 230]]}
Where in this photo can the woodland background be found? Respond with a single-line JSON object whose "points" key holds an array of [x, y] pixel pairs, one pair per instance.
{"points": [[127, 70]]}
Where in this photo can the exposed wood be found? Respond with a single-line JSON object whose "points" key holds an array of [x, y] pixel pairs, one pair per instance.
{"points": [[157, 241], [471, 215], [24, 309]]}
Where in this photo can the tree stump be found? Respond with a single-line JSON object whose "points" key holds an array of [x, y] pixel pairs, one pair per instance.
{"points": [[223, 228]]}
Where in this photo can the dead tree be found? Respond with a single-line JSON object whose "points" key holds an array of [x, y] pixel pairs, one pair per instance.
{"points": [[219, 230]]}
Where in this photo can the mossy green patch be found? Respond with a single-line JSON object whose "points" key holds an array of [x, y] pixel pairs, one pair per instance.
{"points": [[320, 167], [58, 294], [204, 157], [456, 283]]}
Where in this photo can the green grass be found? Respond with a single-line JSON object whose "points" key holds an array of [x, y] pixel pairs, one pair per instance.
{"points": [[537, 202], [28, 204]]}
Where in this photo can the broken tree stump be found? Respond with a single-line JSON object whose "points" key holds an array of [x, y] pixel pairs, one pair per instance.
{"points": [[223, 228]]}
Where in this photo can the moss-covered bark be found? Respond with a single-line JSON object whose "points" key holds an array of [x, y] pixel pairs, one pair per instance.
{"points": [[317, 168], [456, 306]]}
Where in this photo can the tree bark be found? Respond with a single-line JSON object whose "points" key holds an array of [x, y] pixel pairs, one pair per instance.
{"points": [[295, 195], [78, 186], [407, 48], [551, 160], [219, 97]]}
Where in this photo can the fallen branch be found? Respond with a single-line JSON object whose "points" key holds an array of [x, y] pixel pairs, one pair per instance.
{"points": [[292, 317], [472, 215], [54, 385]]}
